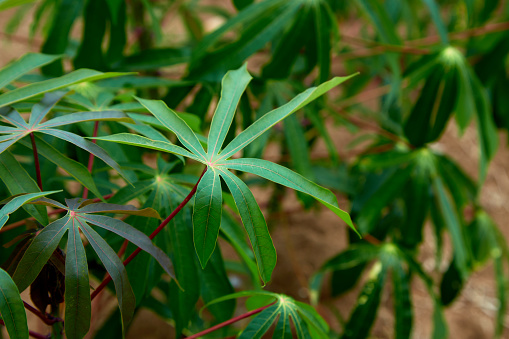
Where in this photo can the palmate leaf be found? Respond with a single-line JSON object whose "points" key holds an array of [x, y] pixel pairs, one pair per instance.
{"points": [[285, 310], [20, 129], [207, 208], [388, 258], [77, 293]]}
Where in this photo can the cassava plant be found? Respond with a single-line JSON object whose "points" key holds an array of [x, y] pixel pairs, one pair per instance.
{"points": [[40, 249], [85, 126]]}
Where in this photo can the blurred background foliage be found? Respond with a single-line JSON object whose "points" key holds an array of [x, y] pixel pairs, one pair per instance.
{"points": [[423, 65]]}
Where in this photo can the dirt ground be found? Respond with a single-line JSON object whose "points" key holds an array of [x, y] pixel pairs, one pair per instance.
{"points": [[304, 240]]}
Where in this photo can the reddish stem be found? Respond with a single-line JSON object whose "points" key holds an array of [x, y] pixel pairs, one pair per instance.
{"points": [[123, 248], [36, 161], [48, 320], [156, 231], [32, 333], [91, 157], [229, 322]]}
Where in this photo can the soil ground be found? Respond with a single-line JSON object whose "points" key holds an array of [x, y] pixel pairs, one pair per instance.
{"points": [[305, 239]]}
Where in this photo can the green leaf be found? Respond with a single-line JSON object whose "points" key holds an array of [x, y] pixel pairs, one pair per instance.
{"points": [[501, 282], [298, 146], [261, 323], [11, 307], [314, 319], [75, 169], [323, 31], [461, 253], [286, 177], [19, 181], [137, 140], [69, 119], [87, 146], [254, 222], [363, 316], [116, 269], [486, 130], [384, 25], [136, 237], [353, 256], [437, 19], [118, 209], [42, 108], [39, 252], [270, 119], [78, 309], [17, 202], [402, 302], [233, 85], [175, 124], [207, 215], [23, 65], [42, 87], [214, 285]]}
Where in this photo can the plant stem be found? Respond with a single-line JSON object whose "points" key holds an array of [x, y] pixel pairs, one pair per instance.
{"points": [[47, 320], [156, 231], [36, 161], [32, 333], [230, 321], [91, 157]]}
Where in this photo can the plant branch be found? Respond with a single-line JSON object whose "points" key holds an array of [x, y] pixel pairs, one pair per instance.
{"points": [[91, 158], [47, 319], [156, 231], [468, 33], [230, 321], [32, 333], [36, 161]]}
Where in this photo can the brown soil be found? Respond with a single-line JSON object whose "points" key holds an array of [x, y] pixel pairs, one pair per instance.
{"points": [[305, 239]]}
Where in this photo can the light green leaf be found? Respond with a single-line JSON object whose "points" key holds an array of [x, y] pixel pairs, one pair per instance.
{"points": [[174, 123], [11, 308], [137, 140], [207, 215], [233, 85], [17, 202], [68, 119], [286, 177], [26, 63], [76, 77], [270, 119], [254, 222]]}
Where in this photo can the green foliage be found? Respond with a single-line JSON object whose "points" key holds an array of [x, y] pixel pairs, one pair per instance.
{"points": [[157, 132]]}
